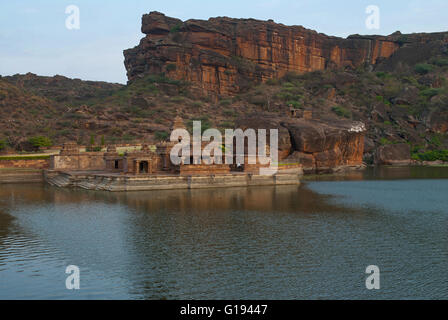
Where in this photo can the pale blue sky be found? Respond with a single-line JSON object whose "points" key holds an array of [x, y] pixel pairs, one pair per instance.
{"points": [[33, 36]]}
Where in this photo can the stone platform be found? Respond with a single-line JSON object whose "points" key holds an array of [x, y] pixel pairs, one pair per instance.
{"points": [[119, 183]]}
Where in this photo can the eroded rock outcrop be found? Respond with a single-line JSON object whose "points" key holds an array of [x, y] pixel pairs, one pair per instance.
{"points": [[394, 154], [319, 145], [323, 146], [222, 55]]}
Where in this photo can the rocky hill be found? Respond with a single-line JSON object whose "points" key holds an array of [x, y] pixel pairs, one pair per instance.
{"points": [[222, 55], [224, 70]]}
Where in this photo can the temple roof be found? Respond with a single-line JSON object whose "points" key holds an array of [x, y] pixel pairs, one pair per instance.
{"points": [[178, 123]]}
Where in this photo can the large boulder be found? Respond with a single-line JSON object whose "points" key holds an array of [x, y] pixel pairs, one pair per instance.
{"points": [[324, 146], [319, 145], [394, 154]]}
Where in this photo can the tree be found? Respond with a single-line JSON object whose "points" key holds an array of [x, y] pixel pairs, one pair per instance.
{"points": [[40, 142], [423, 68], [161, 135], [92, 140], [2, 144]]}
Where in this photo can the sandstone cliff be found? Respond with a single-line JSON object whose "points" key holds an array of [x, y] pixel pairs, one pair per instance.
{"points": [[222, 55]]}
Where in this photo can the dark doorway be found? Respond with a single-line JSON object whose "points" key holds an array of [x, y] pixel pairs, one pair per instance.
{"points": [[144, 167], [116, 164]]}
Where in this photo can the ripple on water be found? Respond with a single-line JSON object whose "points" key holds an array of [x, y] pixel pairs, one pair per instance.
{"points": [[258, 243]]}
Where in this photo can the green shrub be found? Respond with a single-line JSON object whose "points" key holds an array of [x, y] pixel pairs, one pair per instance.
{"points": [[92, 140], [436, 140], [161, 135], [227, 124], [294, 104], [402, 40], [171, 67], [341, 111], [411, 80], [127, 137], [25, 158], [177, 99], [416, 149], [385, 141], [383, 75], [423, 68], [272, 82], [288, 85], [230, 113], [225, 103], [258, 100], [391, 90], [431, 155], [197, 104], [40, 141], [430, 92], [244, 65], [176, 28], [2, 144], [441, 62], [205, 124]]}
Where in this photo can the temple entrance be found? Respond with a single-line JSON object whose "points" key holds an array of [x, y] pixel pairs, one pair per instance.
{"points": [[144, 166]]}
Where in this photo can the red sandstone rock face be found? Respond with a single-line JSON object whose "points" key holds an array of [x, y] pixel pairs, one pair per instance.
{"points": [[221, 55], [323, 146], [318, 145]]}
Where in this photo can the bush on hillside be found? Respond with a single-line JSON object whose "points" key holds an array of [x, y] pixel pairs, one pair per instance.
{"points": [[423, 68], [341, 111], [40, 142]]}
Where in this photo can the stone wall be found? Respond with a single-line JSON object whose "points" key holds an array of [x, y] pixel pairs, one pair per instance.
{"points": [[83, 161], [17, 176], [203, 169], [25, 164], [158, 182]]}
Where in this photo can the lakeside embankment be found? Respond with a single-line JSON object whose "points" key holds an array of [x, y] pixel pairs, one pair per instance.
{"points": [[21, 176], [23, 168], [31, 171]]}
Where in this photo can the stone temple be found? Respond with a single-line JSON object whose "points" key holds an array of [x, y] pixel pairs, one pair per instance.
{"points": [[151, 168]]}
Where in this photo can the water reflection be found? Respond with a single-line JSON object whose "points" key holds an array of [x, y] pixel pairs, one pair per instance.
{"points": [[385, 173], [244, 243]]}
